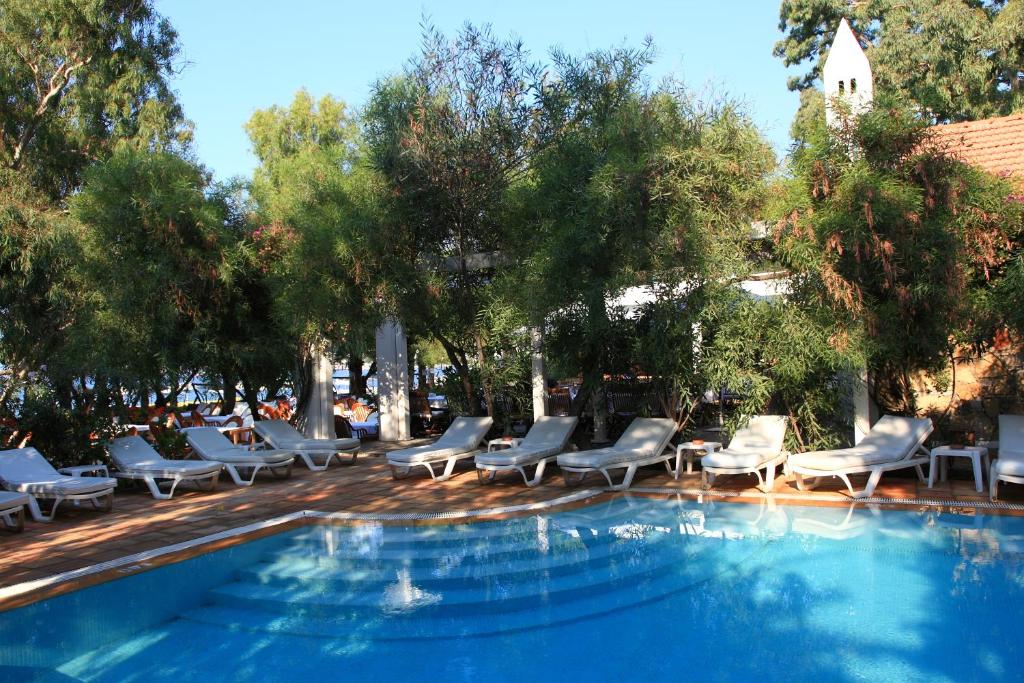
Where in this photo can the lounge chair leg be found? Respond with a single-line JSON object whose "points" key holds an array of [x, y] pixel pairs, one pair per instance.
{"points": [[237, 478], [993, 483], [351, 461], [538, 474], [37, 514], [769, 480], [627, 479], [14, 521], [154, 488], [567, 477], [399, 472], [485, 476], [287, 471], [107, 503], [448, 469], [920, 474], [312, 465]]}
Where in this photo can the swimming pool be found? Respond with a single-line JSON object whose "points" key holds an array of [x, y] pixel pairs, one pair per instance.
{"points": [[632, 588]]}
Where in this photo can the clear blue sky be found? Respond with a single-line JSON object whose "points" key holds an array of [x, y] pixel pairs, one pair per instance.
{"points": [[241, 55]]}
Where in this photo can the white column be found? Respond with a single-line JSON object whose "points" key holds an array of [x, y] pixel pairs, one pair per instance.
{"points": [[393, 382], [320, 412], [861, 407], [539, 378]]}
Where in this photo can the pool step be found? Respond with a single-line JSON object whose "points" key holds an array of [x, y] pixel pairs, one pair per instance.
{"points": [[446, 568], [403, 609], [246, 615], [500, 593]]}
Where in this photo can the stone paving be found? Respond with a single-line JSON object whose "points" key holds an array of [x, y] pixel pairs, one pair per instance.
{"points": [[81, 537]]}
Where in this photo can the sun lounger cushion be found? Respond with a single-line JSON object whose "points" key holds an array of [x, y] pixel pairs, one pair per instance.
{"points": [[280, 434], [729, 458], [760, 441], [641, 439], [26, 470], [600, 457], [210, 444], [12, 499], [418, 454], [520, 455], [463, 436], [547, 437], [132, 454], [1011, 467], [61, 484], [891, 439]]}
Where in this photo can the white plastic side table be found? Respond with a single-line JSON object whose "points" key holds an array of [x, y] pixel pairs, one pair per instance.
{"points": [[689, 448], [509, 443], [976, 453], [83, 470]]}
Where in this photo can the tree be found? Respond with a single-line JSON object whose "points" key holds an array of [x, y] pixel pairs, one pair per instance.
{"points": [[79, 74], [955, 60], [900, 242], [450, 136], [316, 204], [148, 222], [637, 187]]}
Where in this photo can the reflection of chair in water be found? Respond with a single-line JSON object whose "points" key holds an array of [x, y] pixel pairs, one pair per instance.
{"points": [[836, 523], [734, 521]]}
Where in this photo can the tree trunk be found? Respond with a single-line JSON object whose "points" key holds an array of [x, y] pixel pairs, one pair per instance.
{"points": [[230, 380], [461, 365], [356, 386], [488, 387]]}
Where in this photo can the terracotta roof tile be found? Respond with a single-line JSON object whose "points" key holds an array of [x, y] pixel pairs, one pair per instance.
{"points": [[996, 145]]}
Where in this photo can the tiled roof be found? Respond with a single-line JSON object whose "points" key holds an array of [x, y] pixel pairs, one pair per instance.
{"points": [[996, 145]]}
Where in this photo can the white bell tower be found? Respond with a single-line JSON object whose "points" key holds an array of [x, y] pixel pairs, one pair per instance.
{"points": [[847, 77]]}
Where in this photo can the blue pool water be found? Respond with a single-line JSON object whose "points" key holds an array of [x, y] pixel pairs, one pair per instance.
{"points": [[633, 588]]}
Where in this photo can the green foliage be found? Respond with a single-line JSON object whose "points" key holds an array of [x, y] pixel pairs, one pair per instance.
{"points": [[79, 75], [67, 436], [635, 187], [148, 222], [449, 137], [956, 60], [780, 358], [317, 203], [898, 240]]}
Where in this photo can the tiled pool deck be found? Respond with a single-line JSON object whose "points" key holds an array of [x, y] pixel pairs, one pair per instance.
{"points": [[83, 537]]}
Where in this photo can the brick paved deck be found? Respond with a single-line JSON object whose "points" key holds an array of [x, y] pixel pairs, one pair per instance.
{"points": [[83, 537]]}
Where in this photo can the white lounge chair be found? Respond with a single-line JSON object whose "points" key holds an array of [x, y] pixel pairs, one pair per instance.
{"points": [[753, 448], [281, 435], [135, 459], [547, 438], [461, 440], [12, 509], [894, 443], [1009, 466], [645, 442], [209, 444], [26, 470]]}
